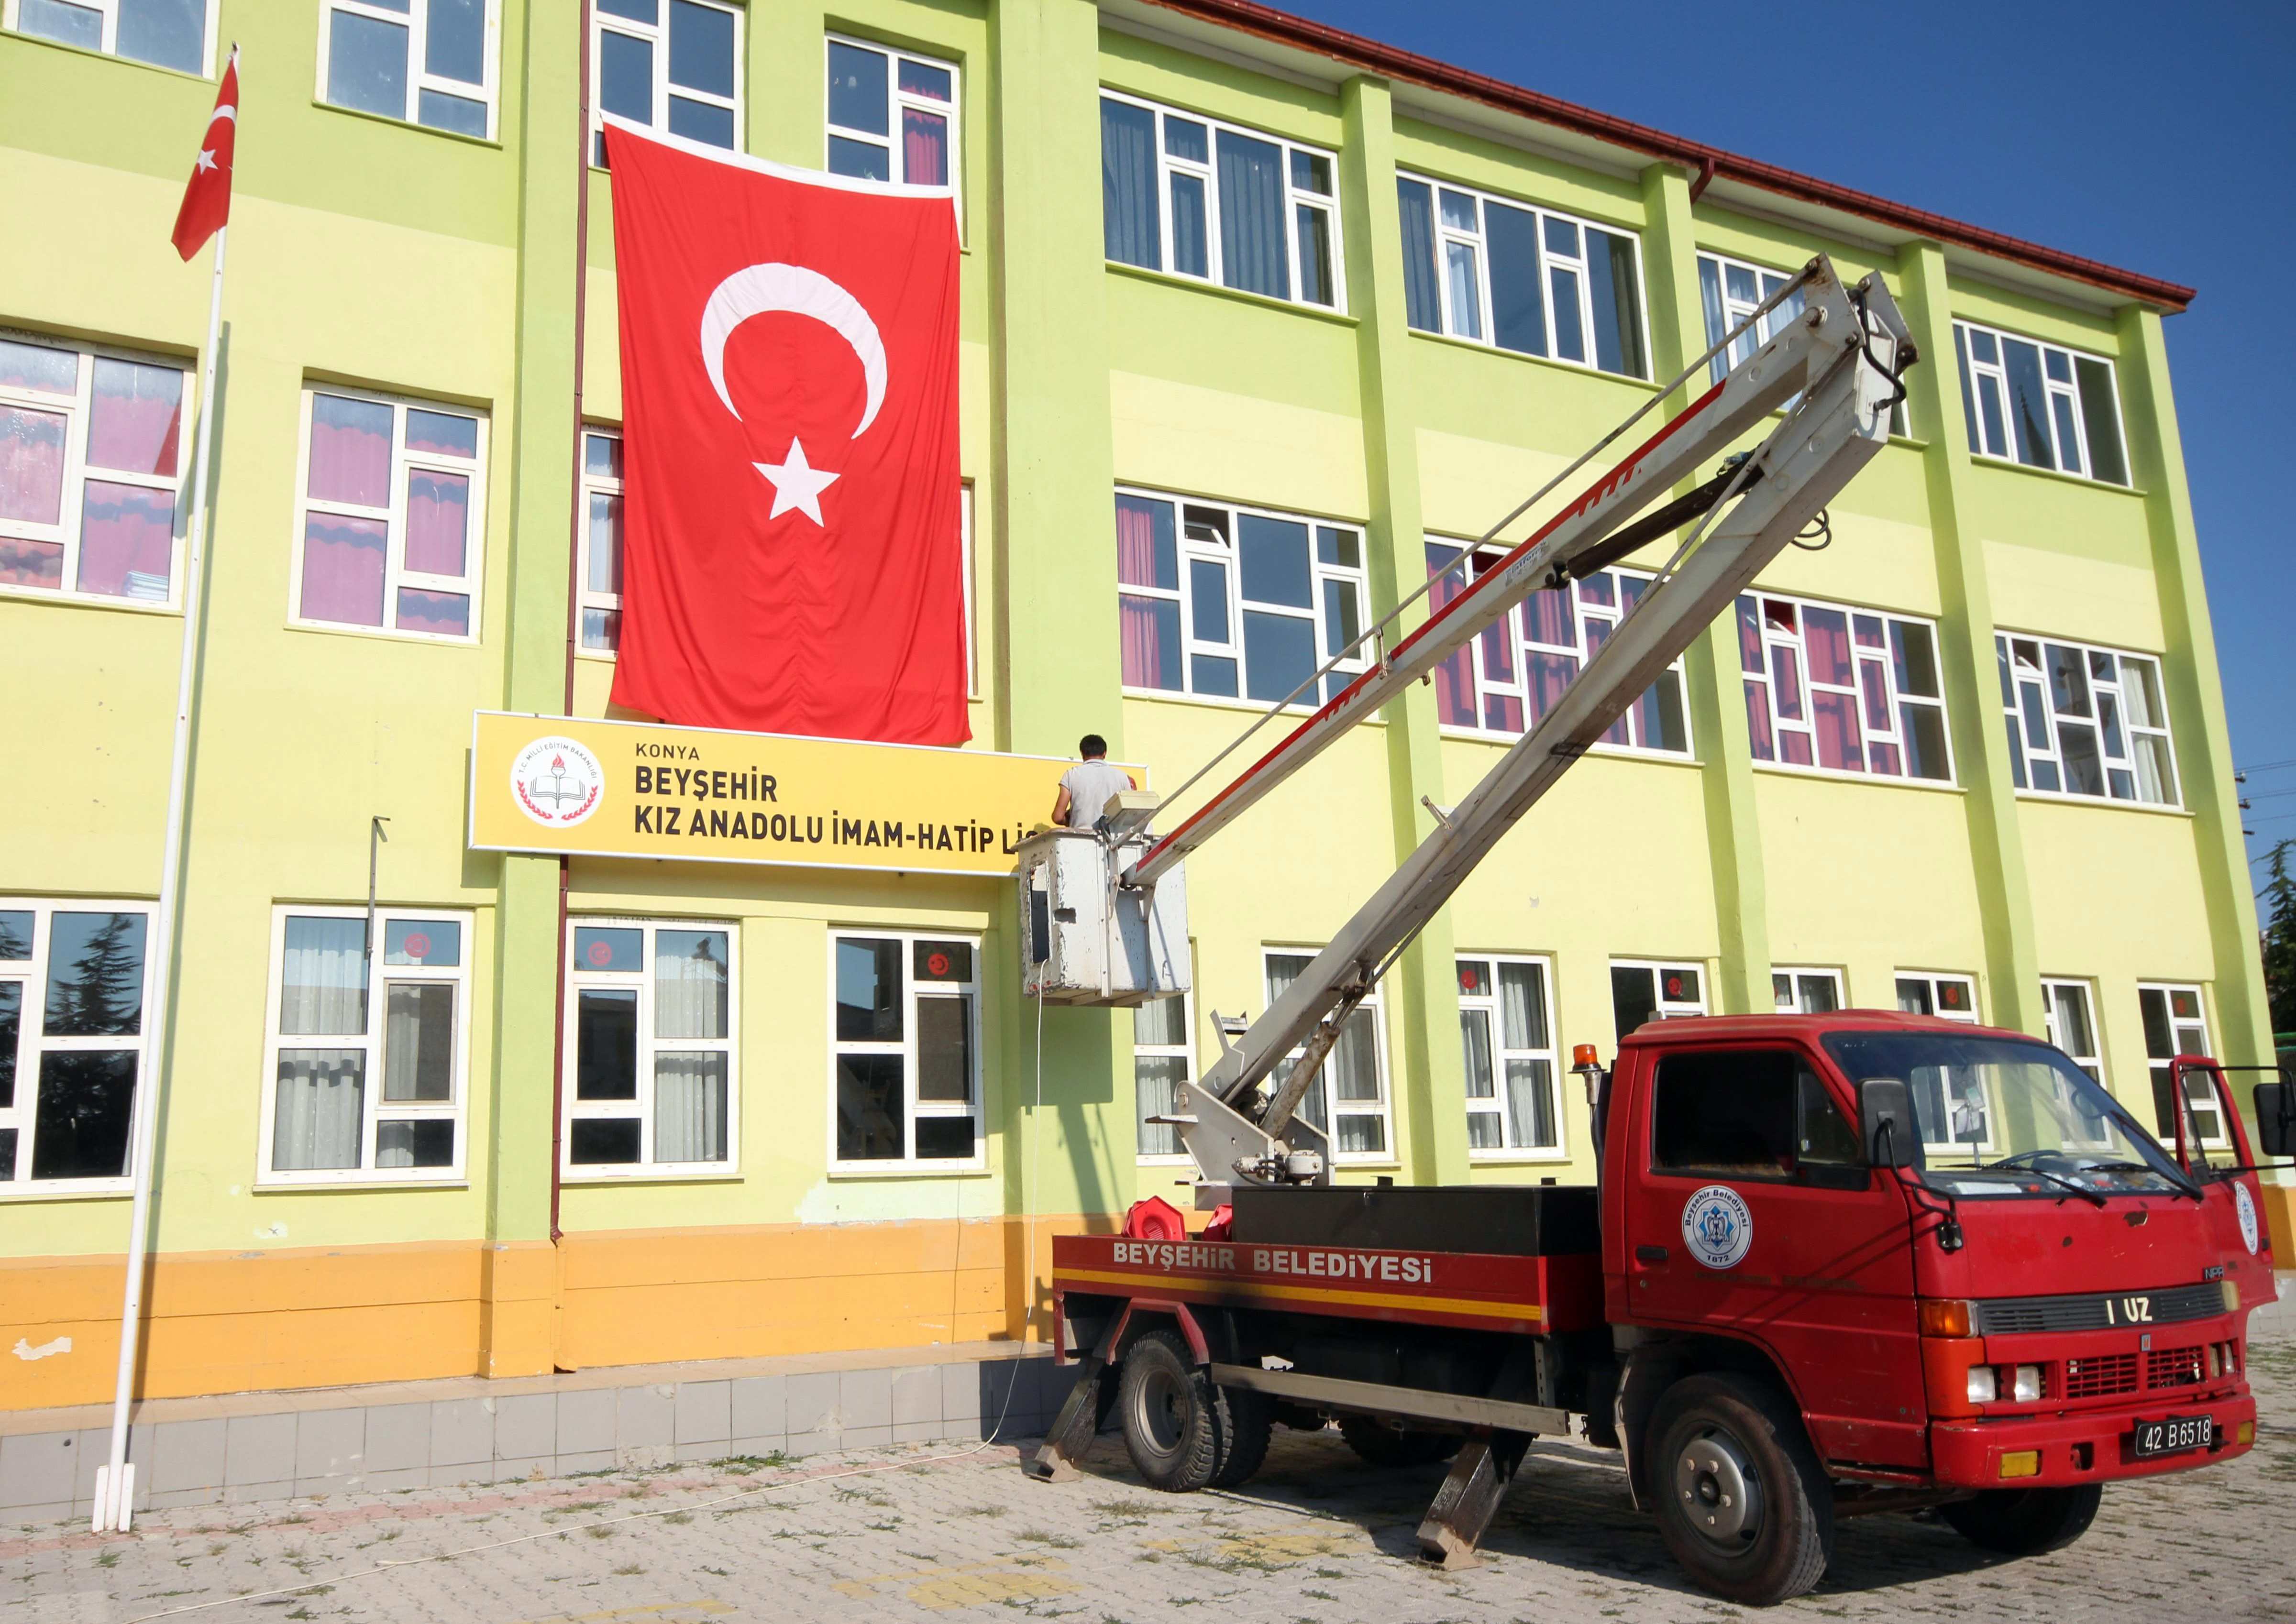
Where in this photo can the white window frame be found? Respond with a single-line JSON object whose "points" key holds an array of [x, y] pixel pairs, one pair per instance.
{"points": [[1475, 244], [912, 1109], [416, 20], [1800, 979], [656, 34], [2092, 1062], [1866, 663], [2023, 659], [1930, 982], [1666, 1008], [641, 1106], [1295, 199], [1518, 625], [2200, 1100], [470, 584], [1227, 556], [1489, 1004], [78, 411], [896, 101], [1736, 308], [10, 20], [1988, 381], [595, 486], [1319, 1090], [32, 1040], [1185, 1051], [373, 1107]]}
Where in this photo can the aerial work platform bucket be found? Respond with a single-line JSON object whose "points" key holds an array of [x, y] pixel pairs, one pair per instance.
{"points": [[1086, 938]]}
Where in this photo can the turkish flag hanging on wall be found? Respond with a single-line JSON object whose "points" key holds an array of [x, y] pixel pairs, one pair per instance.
{"points": [[790, 554]]}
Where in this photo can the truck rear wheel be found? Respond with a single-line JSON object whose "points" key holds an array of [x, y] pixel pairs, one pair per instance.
{"points": [[2024, 1522], [1383, 1443], [1741, 1500], [1180, 1429]]}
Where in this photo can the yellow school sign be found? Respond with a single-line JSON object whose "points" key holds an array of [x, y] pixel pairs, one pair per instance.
{"points": [[563, 784]]}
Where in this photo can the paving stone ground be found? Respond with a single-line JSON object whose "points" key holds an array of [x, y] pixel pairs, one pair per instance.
{"points": [[926, 1533]]}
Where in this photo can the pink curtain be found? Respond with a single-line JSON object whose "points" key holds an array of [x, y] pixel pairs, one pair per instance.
{"points": [[924, 148], [135, 420], [1758, 722], [1840, 743], [342, 569], [1143, 557], [447, 613], [1549, 675], [350, 454], [1150, 628], [1749, 636], [32, 465], [1826, 633], [126, 540], [438, 521], [30, 563], [1454, 678]]}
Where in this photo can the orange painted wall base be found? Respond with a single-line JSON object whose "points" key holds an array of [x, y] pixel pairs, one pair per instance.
{"points": [[241, 1322]]}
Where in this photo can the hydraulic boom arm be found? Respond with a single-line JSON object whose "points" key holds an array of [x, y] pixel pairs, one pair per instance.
{"points": [[1842, 357]]}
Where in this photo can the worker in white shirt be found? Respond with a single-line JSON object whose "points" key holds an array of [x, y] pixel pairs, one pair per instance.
{"points": [[1085, 788]]}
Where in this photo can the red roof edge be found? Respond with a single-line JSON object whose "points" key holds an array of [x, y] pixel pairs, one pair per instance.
{"points": [[1393, 62]]}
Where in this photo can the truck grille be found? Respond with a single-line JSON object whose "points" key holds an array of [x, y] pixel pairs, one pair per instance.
{"points": [[2099, 1375], [2173, 1368], [2098, 1310]]}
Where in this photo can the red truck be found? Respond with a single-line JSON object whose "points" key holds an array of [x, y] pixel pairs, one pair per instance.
{"points": [[1833, 1265]]}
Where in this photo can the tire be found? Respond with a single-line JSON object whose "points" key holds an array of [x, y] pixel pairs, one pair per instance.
{"points": [[1251, 1423], [2024, 1522], [1383, 1443], [1741, 1500], [1178, 1427]]}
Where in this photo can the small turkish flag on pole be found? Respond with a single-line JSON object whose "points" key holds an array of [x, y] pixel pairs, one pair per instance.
{"points": [[207, 199], [791, 556]]}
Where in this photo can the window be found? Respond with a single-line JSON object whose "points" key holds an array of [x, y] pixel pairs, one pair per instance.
{"points": [[90, 459], [2176, 1024], [428, 61], [1235, 603], [892, 115], [1506, 1034], [1198, 198], [1347, 1100], [1730, 290], [362, 1082], [672, 65], [391, 511], [72, 1038], [1641, 990], [2065, 1009], [2085, 722], [171, 33], [1806, 992], [1528, 280], [1161, 1061], [905, 1070], [2043, 406], [1953, 998], [1506, 680], [1759, 1114], [653, 1082], [602, 542], [1841, 690]]}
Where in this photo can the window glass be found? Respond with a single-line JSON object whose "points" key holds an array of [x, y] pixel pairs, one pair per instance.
{"points": [[1820, 694], [2174, 1024], [1508, 1051], [1347, 1101], [905, 1070], [392, 516], [890, 115], [366, 1079], [1644, 991], [675, 69], [1256, 212], [1731, 1114], [651, 1050], [422, 61], [2040, 404], [72, 1038], [2085, 722]]}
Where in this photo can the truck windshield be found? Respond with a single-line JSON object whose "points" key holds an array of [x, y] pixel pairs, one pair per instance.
{"points": [[1999, 1117]]}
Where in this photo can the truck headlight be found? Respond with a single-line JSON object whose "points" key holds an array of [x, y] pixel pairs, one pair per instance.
{"points": [[1981, 1386], [2231, 1289], [2025, 1386]]}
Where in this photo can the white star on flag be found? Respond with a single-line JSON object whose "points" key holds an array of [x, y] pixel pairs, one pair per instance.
{"points": [[795, 483], [205, 160]]}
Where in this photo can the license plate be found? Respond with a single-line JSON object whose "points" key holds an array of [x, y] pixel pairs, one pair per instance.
{"points": [[2173, 1435]]}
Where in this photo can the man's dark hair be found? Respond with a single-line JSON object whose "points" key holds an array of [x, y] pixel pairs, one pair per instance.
{"points": [[1092, 745]]}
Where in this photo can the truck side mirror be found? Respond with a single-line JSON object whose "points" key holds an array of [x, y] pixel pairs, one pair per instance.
{"points": [[1885, 1112], [2275, 1118]]}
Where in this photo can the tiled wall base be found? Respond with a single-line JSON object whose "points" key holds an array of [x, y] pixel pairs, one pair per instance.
{"points": [[469, 1430]]}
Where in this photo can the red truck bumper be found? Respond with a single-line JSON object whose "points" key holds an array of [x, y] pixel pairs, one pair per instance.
{"points": [[2079, 1448]]}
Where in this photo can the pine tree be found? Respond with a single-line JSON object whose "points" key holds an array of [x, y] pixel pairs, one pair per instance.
{"points": [[104, 996], [2280, 943]]}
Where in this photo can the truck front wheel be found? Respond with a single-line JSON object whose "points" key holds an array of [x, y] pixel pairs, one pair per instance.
{"points": [[1180, 1429], [1741, 1500], [2024, 1522]]}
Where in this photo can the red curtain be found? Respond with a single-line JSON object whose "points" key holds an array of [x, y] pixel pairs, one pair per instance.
{"points": [[1454, 678]]}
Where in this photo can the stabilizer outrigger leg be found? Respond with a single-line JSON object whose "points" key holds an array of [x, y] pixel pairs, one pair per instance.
{"points": [[1470, 1496]]}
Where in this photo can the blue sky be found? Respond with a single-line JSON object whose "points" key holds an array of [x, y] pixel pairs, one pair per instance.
{"points": [[2091, 128]]}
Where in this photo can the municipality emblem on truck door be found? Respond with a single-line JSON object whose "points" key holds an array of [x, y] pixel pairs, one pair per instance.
{"points": [[1717, 1226]]}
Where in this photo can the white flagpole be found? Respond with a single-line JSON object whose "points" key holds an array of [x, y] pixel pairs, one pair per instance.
{"points": [[115, 1483]]}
